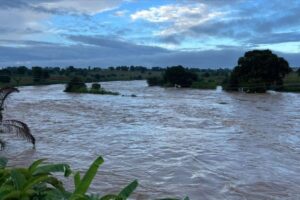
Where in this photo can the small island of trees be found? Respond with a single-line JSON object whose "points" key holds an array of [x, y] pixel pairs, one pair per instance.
{"points": [[76, 85]]}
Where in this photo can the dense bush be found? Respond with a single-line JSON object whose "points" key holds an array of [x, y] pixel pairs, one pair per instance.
{"points": [[179, 76], [155, 81], [96, 86], [76, 85], [174, 76]]}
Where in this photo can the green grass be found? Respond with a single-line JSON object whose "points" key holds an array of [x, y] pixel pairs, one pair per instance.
{"points": [[90, 76], [209, 84], [291, 83]]}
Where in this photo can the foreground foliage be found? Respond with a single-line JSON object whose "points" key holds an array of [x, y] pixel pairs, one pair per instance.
{"points": [[38, 182]]}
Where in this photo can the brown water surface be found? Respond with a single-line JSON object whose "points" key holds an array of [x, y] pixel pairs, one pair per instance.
{"points": [[202, 143]]}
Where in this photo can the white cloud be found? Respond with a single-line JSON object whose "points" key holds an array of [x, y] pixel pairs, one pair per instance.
{"points": [[178, 18]]}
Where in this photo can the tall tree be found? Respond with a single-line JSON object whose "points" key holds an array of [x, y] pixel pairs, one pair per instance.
{"points": [[258, 71]]}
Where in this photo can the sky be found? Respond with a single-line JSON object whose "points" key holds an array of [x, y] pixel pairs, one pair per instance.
{"points": [[103, 33]]}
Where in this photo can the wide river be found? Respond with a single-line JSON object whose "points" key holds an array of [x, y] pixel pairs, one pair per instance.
{"points": [[206, 144]]}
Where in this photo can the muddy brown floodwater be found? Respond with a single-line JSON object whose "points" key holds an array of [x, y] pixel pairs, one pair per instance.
{"points": [[202, 143]]}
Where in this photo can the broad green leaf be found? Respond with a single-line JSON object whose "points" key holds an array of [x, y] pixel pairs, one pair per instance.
{"points": [[35, 180], [12, 195], [18, 179], [35, 164], [6, 189], [55, 183], [126, 192], [77, 179], [46, 169], [88, 177], [3, 162]]}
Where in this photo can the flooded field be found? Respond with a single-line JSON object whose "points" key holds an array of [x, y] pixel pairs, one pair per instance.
{"points": [[206, 144]]}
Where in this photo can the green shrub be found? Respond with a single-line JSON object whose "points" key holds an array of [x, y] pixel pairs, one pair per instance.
{"points": [[96, 86], [155, 81], [76, 85]]}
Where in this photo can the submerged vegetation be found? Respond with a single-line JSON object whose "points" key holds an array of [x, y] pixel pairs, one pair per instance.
{"points": [[12, 126], [76, 85]]}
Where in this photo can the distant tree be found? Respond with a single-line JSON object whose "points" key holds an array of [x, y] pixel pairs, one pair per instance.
{"points": [[22, 70], [258, 71], [179, 76], [97, 77], [37, 74], [76, 85], [46, 74], [298, 71], [5, 72], [206, 75], [5, 79], [71, 69], [157, 69], [122, 68]]}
